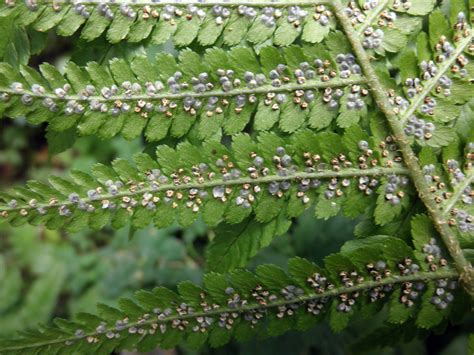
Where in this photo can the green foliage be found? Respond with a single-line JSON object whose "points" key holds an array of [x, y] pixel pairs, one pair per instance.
{"points": [[242, 304], [268, 109], [120, 99], [185, 25], [270, 179], [93, 94]]}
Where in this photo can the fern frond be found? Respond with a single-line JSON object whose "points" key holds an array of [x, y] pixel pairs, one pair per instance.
{"points": [[461, 192], [373, 12], [359, 280], [251, 190], [385, 26], [448, 236], [450, 168], [434, 73], [436, 79], [269, 177], [14, 43], [185, 22], [429, 85], [230, 22], [294, 87], [457, 199]]}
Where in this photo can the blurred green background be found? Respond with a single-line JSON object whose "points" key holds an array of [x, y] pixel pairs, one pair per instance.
{"points": [[46, 274]]}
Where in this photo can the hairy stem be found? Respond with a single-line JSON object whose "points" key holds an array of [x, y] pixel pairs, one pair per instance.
{"points": [[378, 91], [246, 180], [364, 286]]}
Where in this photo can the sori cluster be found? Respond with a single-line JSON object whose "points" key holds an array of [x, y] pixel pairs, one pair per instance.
{"points": [[211, 92], [243, 178], [241, 303]]}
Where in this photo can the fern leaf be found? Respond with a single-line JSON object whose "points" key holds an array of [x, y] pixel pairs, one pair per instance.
{"points": [[134, 21], [272, 178], [234, 245], [430, 84], [249, 191], [456, 192], [437, 91], [372, 13], [234, 181], [241, 304], [451, 180], [222, 90], [461, 192]]}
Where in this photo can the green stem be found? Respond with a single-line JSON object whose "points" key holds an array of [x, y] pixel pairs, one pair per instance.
{"points": [[379, 93], [430, 84], [366, 285], [245, 180]]}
